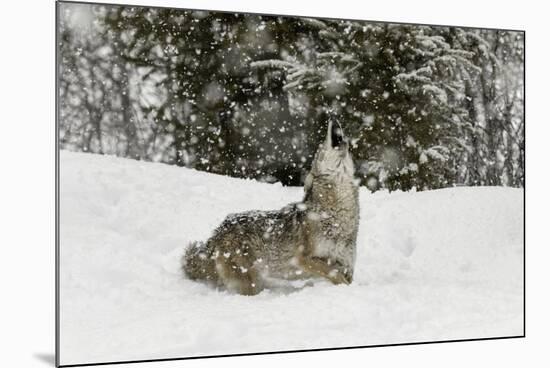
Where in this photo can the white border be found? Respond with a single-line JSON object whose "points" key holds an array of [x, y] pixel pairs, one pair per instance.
{"points": [[27, 181]]}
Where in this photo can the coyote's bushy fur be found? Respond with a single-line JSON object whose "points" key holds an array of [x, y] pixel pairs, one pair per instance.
{"points": [[314, 237]]}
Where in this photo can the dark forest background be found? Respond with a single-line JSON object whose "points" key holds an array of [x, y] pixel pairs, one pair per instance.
{"points": [[249, 96]]}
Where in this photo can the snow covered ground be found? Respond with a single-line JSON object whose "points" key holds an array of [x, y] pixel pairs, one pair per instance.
{"points": [[437, 265]]}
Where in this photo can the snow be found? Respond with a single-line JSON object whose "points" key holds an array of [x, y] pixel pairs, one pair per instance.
{"points": [[435, 265]]}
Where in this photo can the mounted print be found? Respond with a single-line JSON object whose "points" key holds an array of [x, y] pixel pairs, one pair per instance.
{"points": [[234, 183]]}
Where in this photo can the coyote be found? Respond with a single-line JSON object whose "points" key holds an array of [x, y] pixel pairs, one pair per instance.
{"points": [[311, 238]]}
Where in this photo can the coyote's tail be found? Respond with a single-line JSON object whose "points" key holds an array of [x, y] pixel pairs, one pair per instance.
{"points": [[198, 263]]}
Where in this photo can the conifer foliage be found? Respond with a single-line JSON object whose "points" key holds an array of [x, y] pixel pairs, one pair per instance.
{"points": [[424, 107]]}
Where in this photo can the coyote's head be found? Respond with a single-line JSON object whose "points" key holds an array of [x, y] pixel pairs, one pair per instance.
{"points": [[333, 160]]}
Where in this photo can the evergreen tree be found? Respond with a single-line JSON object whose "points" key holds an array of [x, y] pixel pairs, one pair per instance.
{"points": [[249, 96]]}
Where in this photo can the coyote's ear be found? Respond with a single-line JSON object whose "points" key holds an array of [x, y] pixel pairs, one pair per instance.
{"points": [[328, 139], [308, 183]]}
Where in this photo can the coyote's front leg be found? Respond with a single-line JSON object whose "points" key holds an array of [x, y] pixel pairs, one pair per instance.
{"points": [[322, 267]]}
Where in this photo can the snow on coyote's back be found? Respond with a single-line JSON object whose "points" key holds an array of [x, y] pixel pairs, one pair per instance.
{"points": [[435, 265]]}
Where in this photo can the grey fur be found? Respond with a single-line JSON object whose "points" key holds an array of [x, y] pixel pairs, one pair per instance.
{"points": [[314, 237]]}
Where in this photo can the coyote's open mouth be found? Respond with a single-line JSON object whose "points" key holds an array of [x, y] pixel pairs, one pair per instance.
{"points": [[337, 136]]}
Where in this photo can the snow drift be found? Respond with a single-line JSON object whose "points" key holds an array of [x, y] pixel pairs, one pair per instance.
{"points": [[436, 265]]}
